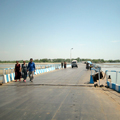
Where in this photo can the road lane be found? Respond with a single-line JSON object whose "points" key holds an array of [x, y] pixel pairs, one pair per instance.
{"points": [[64, 77], [34, 102]]}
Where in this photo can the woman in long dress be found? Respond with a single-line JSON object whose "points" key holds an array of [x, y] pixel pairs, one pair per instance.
{"points": [[24, 71], [64, 64], [17, 71]]}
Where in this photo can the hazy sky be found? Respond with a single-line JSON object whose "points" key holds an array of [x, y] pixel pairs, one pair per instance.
{"points": [[50, 28]]}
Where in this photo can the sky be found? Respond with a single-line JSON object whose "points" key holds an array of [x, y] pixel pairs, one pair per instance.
{"points": [[50, 28]]}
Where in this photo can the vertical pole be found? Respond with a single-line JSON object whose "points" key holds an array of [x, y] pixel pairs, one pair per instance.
{"points": [[116, 77], [70, 56], [99, 76], [106, 76]]}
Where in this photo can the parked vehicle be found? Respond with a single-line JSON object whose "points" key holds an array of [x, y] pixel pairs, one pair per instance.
{"points": [[74, 63]]}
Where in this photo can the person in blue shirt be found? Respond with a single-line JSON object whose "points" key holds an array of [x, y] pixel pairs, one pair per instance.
{"points": [[31, 69]]}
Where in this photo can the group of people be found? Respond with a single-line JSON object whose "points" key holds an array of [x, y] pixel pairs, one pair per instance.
{"points": [[88, 66], [63, 64], [21, 70]]}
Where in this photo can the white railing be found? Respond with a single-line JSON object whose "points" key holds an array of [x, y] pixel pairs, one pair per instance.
{"points": [[114, 77]]}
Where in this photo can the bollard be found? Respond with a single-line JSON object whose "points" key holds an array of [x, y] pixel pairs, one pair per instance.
{"points": [[91, 80]]}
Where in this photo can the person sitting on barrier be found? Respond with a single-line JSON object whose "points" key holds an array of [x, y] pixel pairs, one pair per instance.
{"points": [[96, 76], [31, 68], [17, 71], [24, 71]]}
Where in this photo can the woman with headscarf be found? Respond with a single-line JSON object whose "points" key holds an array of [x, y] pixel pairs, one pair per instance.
{"points": [[64, 64], [61, 64], [24, 71], [17, 71]]}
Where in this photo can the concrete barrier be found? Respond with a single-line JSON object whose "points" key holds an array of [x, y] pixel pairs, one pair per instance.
{"points": [[118, 88], [108, 83], [39, 71], [10, 77], [91, 80], [113, 86], [6, 78]]}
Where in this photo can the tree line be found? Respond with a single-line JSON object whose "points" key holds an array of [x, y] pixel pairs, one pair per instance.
{"points": [[45, 60]]}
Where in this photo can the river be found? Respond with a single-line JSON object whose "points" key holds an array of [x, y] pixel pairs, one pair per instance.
{"points": [[112, 66]]}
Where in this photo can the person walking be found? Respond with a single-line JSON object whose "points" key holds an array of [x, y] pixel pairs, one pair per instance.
{"points": [[61, 64], [31, 69], [87, 66], [24, 71], [90, 66], [17, 71], [64, 64]]}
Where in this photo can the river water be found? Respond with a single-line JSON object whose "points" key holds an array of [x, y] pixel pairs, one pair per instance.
{"points": [[115, 77], [2, 66]]}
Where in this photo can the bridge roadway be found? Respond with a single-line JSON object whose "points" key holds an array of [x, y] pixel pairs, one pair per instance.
{"points": [[59, 95]]}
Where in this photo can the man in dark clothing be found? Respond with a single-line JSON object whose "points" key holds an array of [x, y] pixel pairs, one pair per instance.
{"points": [[61, 64]]}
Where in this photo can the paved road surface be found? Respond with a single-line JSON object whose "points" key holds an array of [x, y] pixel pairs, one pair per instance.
{"points": [[54, 96]]}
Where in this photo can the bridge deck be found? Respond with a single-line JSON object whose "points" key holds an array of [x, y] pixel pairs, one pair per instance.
{"points": [[60, 95]]}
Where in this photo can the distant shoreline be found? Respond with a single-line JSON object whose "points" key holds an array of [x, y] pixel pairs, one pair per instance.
{"points": [[109, 63], [34, 62]]}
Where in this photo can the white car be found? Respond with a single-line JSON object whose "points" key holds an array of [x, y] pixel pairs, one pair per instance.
{"points": [[74, 63]]}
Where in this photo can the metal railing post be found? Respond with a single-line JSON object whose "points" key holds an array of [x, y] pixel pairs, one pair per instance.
{"points": [[106, 76], [99, 76], [116, 77]]}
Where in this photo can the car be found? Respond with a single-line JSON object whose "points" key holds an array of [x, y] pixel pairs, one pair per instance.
{"points": [[74, 64]]}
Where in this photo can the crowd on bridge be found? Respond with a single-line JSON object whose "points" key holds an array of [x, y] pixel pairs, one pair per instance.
{"points": [[63, 64], [21, 70], [89, 65]]}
